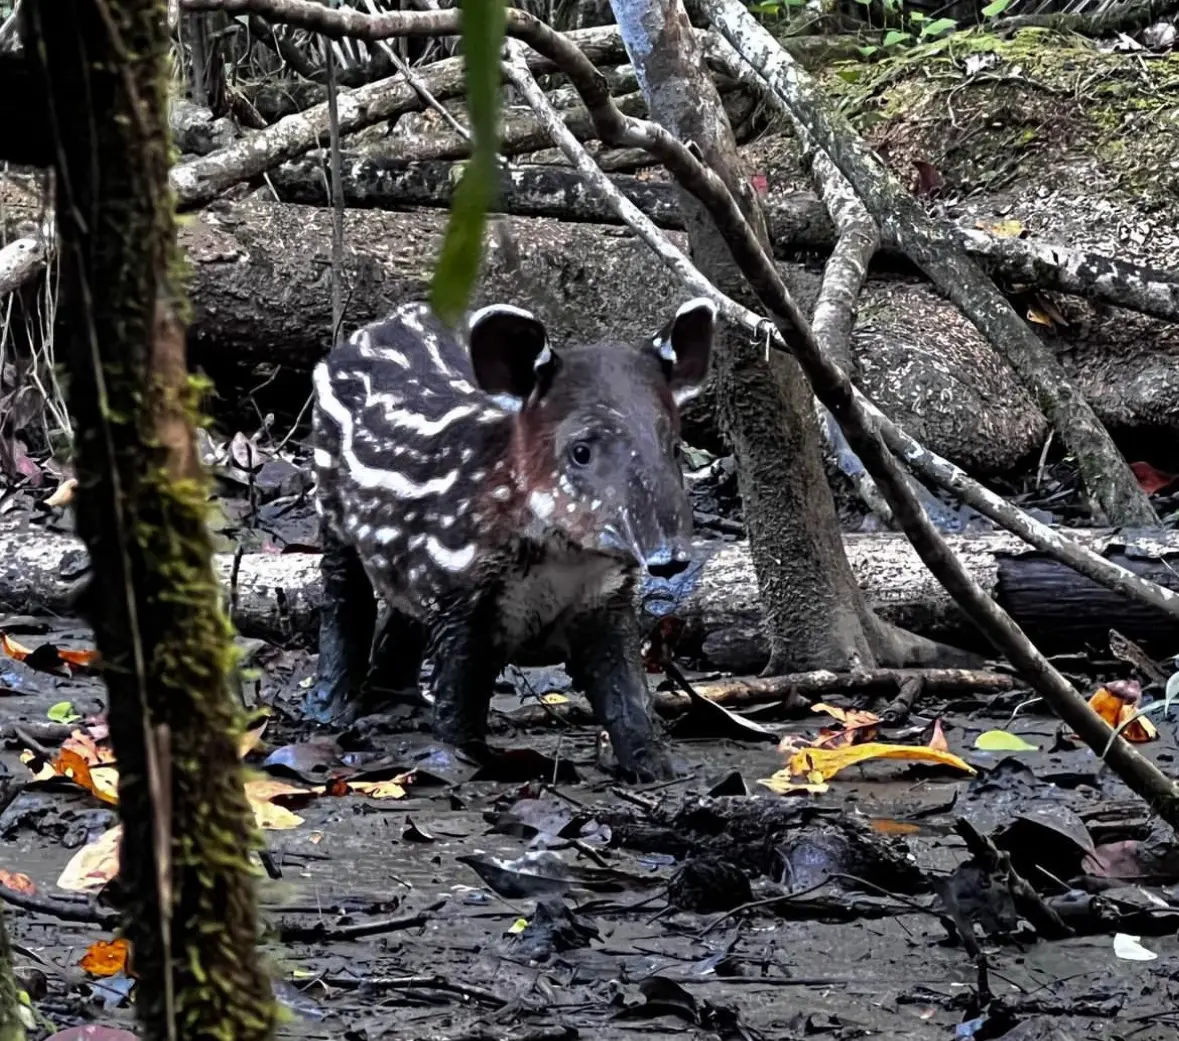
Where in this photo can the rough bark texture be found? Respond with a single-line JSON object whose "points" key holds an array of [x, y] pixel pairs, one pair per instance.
{"points": [[153, 600], [812, 604], [12, 1028], [277, 596]]}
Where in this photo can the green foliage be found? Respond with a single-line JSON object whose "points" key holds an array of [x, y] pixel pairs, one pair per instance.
{"points": [[483, 24]]}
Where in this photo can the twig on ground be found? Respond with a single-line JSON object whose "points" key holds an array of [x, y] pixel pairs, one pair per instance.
{"points": [[319, 933]]}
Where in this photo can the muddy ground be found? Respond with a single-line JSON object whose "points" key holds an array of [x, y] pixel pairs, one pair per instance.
{"points": [[864, 954]]}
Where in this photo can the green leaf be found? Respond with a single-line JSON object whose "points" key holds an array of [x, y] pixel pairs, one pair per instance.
{"points": [[1002, 741], [893, 37], [63, 712], [462, 248], [997, 7], [938, 26], [916, 16], [852, 75]]}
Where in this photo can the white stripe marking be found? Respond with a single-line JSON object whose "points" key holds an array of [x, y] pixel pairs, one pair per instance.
{"points": [[447, 559], [366, 476]]}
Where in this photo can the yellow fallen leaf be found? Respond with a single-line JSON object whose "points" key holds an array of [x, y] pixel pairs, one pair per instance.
{"points": [[378, 789], [827, 762], [44, 773], [1003, 741], [249, 740], [553, 698], [1002, 229], [94, 865], [64, 493], [269, 814], [781, 783], [271, 817]]}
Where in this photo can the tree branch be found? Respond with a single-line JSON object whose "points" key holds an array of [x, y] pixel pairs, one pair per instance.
{"points": [[1110, 483]]}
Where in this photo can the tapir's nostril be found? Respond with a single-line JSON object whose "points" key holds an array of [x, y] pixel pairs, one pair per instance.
{"points": [[662, 567]]}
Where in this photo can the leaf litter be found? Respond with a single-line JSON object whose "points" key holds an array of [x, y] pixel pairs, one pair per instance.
{"points": [[711, 904]]}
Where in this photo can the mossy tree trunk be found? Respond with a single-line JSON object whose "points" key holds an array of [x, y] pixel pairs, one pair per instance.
{"points": [[154, 604], [12, 1028]]}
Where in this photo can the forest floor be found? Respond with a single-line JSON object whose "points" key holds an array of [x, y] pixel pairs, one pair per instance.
{"points": [[389, 914]]}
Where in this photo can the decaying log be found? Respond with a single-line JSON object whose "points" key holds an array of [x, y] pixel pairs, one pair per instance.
{"points": [[260, 294], [277, 596], [798, 220]]}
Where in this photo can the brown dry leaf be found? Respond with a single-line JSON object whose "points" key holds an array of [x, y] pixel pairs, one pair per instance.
{"points": [[17, 882], [94, 865], [105, 957], [63, 495], [88, 748], [859, 726], [821, 764]]}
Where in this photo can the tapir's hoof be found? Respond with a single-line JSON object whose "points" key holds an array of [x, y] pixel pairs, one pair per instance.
{"points": [[647, 765], [326, 706]]}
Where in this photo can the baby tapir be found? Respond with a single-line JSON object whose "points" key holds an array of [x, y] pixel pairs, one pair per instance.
{"points": [[503, 498]]}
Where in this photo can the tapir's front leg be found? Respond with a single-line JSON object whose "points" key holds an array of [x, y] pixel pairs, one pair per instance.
{"points": [[346, 622], [467, 661], [605, 661]]}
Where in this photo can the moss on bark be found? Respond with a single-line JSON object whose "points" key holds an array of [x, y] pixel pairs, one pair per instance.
{"points": [[153, 601], [12, 1027]]}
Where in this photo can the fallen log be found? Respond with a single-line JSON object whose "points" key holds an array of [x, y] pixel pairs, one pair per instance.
{"points": [[258, 286], [277, 596], [798, 221]]}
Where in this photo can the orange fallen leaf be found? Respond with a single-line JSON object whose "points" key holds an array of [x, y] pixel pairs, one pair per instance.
{"points": [[17, 882], [102, 781], [1116, 703], [13, 649], [887, 826], [105, 958], [80, 657], [36, 656], [824, 763]]}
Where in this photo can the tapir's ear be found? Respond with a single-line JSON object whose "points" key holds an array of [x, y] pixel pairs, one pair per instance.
{"points": [[685, 345], [509, 352]]}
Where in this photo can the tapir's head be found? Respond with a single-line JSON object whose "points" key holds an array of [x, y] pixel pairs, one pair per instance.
{"points": [[597, 429]]}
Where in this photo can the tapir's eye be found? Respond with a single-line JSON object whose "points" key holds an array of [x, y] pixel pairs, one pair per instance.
{"points": [[581, 453]]}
